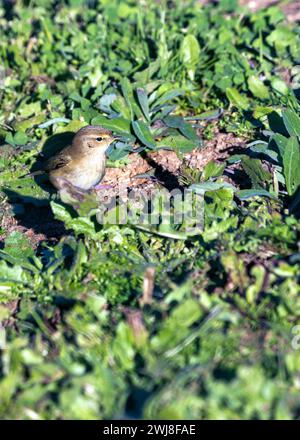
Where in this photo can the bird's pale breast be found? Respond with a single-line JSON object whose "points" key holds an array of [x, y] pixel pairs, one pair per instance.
{"points": [[87, 172]]}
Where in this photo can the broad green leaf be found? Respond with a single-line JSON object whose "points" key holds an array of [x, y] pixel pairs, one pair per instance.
{"points": [[118, 151], [292, 122], [10, 274], [83, 225], [253, 167], [276, 123], [179, 143], [20, 261], [30, 123], [261, 111], [209, 115], [60, 212], [19, 138], [143, 133], [281, 142], [119, 125], [105, 102], [258, 88], [236, 99], [34, 108], [280, 86], [168, 96], [291, 165], [120, 108], [245, 194], [184, 315], [263, 148], [281, 37], [213, 169], [184, 127], [189, 54], [18, 246], [127, 91], [143, 101], [9, 138], [72, 126], [201, 188]]}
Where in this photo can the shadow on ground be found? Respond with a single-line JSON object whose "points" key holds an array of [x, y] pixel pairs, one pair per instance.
{"points": [[34, 213]]}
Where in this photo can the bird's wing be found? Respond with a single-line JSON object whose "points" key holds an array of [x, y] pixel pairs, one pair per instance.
{"points": [[60, 160]]}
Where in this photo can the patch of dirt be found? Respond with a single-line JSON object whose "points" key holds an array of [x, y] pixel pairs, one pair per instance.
{"points": [[168, 161], [292, 11], [37, 224], [217, 149]]}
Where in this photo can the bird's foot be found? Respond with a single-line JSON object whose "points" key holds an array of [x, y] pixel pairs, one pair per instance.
{"points": [[99, 186]]}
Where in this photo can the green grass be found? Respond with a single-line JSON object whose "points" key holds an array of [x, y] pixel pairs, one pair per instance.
{"points": [[218, 339]]}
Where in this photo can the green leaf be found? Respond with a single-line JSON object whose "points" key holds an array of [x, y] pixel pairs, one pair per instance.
{"points": [[261, 111], [143, 133], [168, 96], [258, 88], [143, 101], [184, 127], [20, 261], [179, 143], [292, 122], [208, 115], [253, 167], [83, 225], [19, 138], [60, 212], [10, 275], [119, 125], [120, 107], [129, 98], [29, 123], [291, 165], [72, 126], [189, 54], [263, 148], [236, 99], [9, 138], [213, 169], [201, 188], [280, 86], [245, 194], [276, 123], [281, 142], [18, 246], [253, 291], [27, 110]]}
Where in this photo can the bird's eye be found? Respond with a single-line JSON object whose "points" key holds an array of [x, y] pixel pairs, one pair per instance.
{"points": [[99, 139]]}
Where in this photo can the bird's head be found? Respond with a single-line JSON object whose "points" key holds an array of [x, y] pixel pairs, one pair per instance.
{"points": [[93, 137]]}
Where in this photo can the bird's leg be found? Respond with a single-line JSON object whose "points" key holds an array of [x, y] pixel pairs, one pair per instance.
{"points": [[74, 188], [68, 190]]}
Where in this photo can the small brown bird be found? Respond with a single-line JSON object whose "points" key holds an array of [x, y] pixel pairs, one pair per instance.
{"points": [[83, 162]]}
